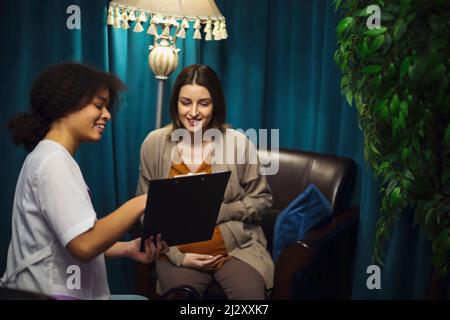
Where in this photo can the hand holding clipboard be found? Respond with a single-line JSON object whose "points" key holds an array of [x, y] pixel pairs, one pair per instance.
{"points": [[184, 209]]}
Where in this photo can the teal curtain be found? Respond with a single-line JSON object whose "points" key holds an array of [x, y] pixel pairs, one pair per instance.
{"points": [[277, 71]]}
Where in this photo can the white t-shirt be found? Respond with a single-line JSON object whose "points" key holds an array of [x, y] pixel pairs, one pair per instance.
{"points": [[51, 207]]}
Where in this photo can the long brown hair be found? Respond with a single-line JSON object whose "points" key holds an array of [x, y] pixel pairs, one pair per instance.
{"points": [[201, 75]]}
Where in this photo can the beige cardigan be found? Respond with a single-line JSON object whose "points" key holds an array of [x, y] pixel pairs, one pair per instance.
{"points": [[246, 199]]}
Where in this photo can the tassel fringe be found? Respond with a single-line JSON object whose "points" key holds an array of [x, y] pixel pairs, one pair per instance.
{"points": [[119, 17], [138, 27], [132, 16]]}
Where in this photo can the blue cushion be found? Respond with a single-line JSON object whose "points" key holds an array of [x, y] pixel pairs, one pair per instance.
{"points": [[306, 211]]}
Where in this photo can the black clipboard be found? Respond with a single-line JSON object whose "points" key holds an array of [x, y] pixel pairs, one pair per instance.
{"points": [[184, 209]]}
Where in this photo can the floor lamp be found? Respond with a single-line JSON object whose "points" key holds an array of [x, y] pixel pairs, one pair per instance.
{"points": [[166, 21]]}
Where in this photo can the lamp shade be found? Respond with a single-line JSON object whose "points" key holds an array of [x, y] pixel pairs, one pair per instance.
{"points": [[191, 9], [169, 18]]}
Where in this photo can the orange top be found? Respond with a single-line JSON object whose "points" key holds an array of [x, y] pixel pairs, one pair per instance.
{"points": [[215, 246]]}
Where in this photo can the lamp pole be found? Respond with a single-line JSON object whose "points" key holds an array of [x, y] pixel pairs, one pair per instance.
{"points": [[159, 103]]}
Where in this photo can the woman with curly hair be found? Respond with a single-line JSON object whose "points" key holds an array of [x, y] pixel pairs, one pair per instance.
{"points": [[58, 245]]}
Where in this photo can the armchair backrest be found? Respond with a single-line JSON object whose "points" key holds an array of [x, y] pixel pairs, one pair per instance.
{"points": [[333, 175]]}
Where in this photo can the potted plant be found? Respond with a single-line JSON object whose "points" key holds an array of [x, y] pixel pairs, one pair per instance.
{"points": [[397, 75]]}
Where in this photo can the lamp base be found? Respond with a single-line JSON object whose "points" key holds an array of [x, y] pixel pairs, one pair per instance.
{"points": [[163, 59]]}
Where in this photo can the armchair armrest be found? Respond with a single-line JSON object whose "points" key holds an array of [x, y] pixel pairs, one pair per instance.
{"points": [[301, 254]]}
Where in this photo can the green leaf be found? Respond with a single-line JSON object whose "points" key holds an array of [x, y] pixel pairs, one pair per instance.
{"points": [[392, 184], [349, 97], [375, 32], [365, 48], [383, 166], [362, 13], [377, 43], [337, 3], [395, 127], [385, 112], [408, 173], [382, 109], [359, 102], [344, 81], [374, 149], [376, 84], [405, 66], [404, 108], [395, 104], [391, 70], [399, 30], [360, 82], [417, 69], [395, 195], [344, 24], [387, 43], [405, 154], [372, 69]]}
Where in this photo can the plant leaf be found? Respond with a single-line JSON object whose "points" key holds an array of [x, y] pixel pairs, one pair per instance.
{"points": [[404, 67], [404, 108], [377, 43], [409, 175], [395, 195], [344, 24], [395, 104], [405, 154], [372, 69], [375, 32], [337, 3], [349, 97], [392, 184], [399, 30]]}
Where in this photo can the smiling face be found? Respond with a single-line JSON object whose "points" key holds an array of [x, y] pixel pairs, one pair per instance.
{"points": [[195, 107], [89, 123]]}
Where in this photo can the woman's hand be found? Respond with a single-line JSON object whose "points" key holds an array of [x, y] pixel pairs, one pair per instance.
{"points": [[152, 250], [203, 262]]}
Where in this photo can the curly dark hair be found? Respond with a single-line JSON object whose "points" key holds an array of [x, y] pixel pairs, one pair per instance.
{"points": [[57, 92]]}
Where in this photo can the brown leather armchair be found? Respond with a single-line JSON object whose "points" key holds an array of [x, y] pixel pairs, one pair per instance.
{"points": [[320, 266]]}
